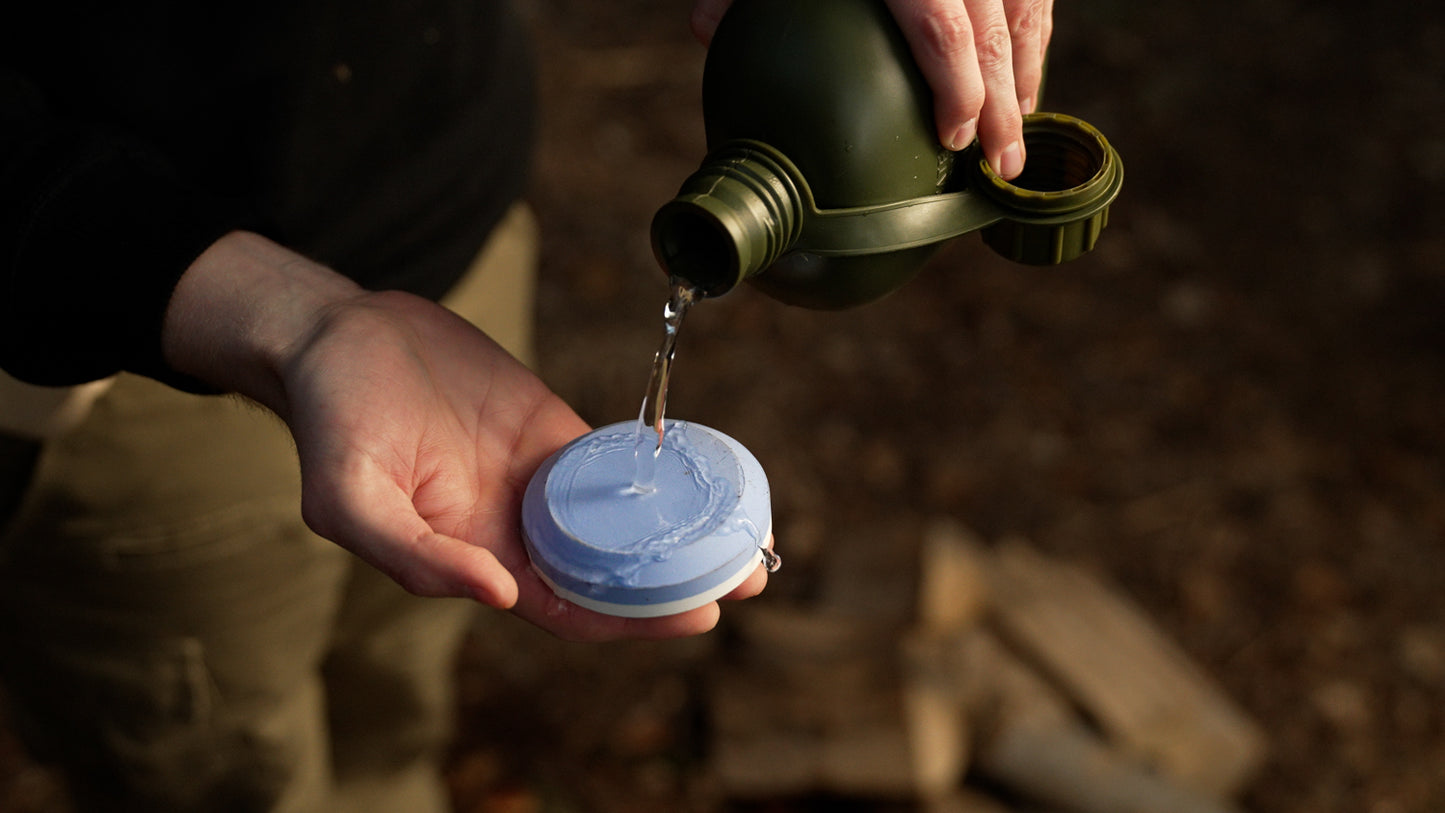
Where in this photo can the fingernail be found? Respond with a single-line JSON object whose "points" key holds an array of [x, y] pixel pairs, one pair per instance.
{"points": [[1011, 161], [964, 136], [1027, 105]]}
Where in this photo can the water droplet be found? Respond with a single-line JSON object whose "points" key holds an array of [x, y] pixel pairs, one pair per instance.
{"points": [[771, 561]]}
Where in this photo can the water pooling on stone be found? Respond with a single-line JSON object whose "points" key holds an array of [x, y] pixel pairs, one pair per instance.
{"points": [[691, 496]]}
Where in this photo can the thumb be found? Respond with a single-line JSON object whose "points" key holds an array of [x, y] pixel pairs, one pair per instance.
{"points": [[435, 564], [376, 521]]}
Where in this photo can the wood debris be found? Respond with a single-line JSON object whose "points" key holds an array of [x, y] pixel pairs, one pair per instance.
{"points": [[973, 666]]}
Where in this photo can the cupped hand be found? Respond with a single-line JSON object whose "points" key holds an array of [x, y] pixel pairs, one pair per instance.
{"points": [[984, 60], [417, 437], [416, 433]]}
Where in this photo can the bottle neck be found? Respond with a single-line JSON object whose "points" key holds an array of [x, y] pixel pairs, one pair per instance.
{"points": [[732, 218]]}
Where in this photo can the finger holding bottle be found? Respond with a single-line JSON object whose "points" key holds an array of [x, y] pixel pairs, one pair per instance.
{"points": [[965, 51], [982, 58]]}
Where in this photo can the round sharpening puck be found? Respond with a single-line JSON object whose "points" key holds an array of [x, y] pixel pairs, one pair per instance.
{"points": [[604, 538]]}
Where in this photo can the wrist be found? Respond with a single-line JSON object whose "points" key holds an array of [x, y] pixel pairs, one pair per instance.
{"points": [[241, 309]]}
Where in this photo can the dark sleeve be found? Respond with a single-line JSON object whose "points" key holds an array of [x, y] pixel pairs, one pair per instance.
{"points": [[95, 231]]}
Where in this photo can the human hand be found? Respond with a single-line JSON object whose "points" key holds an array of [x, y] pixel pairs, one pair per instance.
{"points": [[984, 60], [416, 433]]}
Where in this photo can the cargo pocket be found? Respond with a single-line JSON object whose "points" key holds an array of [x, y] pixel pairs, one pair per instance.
{"points": [[144, 729], [18, 457]]}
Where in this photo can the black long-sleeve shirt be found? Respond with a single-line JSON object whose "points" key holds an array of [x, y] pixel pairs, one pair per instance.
{"points": [[381, 137]]}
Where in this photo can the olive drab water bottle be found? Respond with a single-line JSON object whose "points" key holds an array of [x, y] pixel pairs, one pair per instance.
{"points": [[825, 185]]}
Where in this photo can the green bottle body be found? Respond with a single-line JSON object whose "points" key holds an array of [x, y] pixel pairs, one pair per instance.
{"points": [[848, 106], [825, 185]]}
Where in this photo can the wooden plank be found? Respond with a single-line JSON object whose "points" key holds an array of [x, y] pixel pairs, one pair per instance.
{"points": [[1034, 744], [1145, 694], [1070, 767], [935, 714], [904, 742], [852, 712], [953, 565]]}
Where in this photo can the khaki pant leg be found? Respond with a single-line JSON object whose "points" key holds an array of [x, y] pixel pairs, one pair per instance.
{"points": [[498, 292], [164, 610]]}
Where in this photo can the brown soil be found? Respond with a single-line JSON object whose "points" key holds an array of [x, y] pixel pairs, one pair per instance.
{"points": [[1232, 409]]}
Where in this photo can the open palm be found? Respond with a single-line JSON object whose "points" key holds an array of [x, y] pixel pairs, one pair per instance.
{"points": [[417, 435]]}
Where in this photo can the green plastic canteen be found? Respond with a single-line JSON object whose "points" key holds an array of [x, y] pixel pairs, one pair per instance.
{"points": [[825, 185]]}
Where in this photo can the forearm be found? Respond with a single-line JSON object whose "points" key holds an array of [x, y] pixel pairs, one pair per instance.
{"points": [[242, 308]]}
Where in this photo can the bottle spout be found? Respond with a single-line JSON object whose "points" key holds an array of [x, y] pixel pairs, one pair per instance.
{"points": [[732, 218]]}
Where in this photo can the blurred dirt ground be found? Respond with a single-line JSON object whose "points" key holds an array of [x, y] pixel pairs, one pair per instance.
{"points": [[1234, 409]]}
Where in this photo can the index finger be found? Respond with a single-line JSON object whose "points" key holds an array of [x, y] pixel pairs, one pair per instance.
{"points": [[1031, 26], [941, 34], [1000, 123]]}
